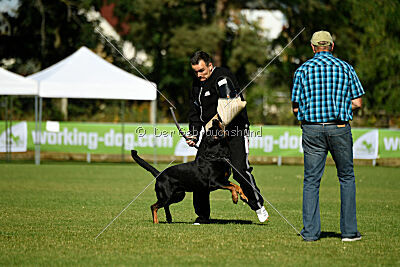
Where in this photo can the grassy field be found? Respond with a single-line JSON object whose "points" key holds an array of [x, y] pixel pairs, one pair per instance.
{"points": [[50, 215]]}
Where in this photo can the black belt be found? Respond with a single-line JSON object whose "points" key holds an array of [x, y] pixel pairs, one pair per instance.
{"points": [[325, 123]]}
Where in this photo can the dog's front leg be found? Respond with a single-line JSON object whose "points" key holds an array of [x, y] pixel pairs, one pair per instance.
{"points": [[231, 188], [239, 190]]}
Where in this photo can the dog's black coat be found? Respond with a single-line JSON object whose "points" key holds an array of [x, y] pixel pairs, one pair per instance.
{"points": [[209, 171]]}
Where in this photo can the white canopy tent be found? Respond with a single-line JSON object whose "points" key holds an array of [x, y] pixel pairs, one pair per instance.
{"points": [[12, 84], [86, 75]]}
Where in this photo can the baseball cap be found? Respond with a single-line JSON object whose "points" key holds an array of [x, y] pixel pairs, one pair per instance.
{"points": [[321, 36]]}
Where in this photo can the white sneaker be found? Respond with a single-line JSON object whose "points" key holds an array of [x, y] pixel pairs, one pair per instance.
{"points": [[354, 238], [262, 214]]}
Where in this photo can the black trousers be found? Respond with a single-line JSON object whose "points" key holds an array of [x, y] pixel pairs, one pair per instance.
{"points": [[238, 146]]}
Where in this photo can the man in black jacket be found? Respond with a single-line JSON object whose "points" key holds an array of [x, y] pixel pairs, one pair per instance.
{"points": [[210, 84]]}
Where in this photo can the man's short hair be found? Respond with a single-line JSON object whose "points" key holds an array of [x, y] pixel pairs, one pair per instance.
{"points": [[324, 43], [200, 55], [324, 47], [321, 38]]}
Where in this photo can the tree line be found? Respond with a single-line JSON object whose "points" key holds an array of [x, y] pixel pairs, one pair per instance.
{"points": [[366, 34]]}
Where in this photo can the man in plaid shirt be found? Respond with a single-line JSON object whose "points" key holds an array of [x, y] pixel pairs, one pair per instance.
{"points": [[326, 90]]}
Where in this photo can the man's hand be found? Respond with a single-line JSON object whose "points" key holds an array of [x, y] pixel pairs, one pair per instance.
{"points": [[192, 140], [295, 107], [356, 103]]}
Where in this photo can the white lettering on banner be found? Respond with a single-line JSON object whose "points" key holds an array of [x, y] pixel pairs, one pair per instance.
{"points": [[284, 141], [118, 139], [91, 140], [391, 144], [268, 142], [142, 142], [109, 138], [129, 141], [52, 138], [82, 138], [293, 142]]}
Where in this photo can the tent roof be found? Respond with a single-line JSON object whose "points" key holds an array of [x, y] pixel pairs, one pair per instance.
{"points": [[14, 84], [86, 75]]}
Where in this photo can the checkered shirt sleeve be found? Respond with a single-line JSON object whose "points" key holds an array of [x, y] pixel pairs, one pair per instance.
{"points": [[297, 86]]}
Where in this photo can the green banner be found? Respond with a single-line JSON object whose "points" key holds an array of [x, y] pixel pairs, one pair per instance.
{"points": [[164, 139]]}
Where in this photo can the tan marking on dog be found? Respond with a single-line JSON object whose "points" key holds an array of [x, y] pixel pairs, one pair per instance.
{"points": [[240, 192], [154, 209], [235, 197]]}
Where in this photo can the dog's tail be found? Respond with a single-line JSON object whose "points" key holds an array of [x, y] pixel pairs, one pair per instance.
{"points": [[144, 164]]}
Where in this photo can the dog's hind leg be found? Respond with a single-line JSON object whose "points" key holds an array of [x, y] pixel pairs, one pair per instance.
{"points": [[175, 198], [154, 209]]}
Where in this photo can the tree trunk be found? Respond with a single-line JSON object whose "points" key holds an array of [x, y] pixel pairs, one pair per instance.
{"points": [[42, 28], [64, 108], [221, 13]]}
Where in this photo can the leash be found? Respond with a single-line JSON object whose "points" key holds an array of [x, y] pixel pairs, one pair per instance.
{"points": [[133, 200], [179, 127]]}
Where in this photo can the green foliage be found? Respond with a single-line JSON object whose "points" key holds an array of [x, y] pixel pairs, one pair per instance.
{"points": [[378, 56], [50, 215], [44, 32], [169, 32], [366, 34], [249, 52]]}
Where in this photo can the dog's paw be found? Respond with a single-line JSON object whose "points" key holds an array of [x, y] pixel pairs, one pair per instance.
{"points": [[235, 197], [133, 152], [243, 197]]}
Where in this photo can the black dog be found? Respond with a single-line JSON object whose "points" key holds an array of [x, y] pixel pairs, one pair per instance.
{"points": [[208, 172]]}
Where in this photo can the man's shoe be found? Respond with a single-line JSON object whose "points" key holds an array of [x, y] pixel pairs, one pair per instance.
{"points": [[350, 239], [262, 214], [201, 220]]}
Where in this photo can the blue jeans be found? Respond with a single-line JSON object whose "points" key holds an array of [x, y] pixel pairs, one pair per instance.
{"points": [[317, 141]]}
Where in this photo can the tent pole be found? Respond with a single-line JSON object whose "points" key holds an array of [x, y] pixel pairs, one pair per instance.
{"points": [[6, 126], [36, 131], [6, 120], [153, 121], [10, 138], [123, 130], [153, 111], [39, 131]]}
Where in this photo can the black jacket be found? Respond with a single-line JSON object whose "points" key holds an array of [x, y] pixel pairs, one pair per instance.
{"points": [[204, 101]]}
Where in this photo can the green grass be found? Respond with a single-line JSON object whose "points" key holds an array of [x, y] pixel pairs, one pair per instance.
{"points": [[50, 215]]}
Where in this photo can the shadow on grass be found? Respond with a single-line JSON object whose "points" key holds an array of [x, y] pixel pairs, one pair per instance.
{"points": [[221, 221], [216, 221], [330, 235]]}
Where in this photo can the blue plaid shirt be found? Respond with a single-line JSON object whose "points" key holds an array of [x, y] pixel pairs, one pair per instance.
{"points": [[324, 87]]}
